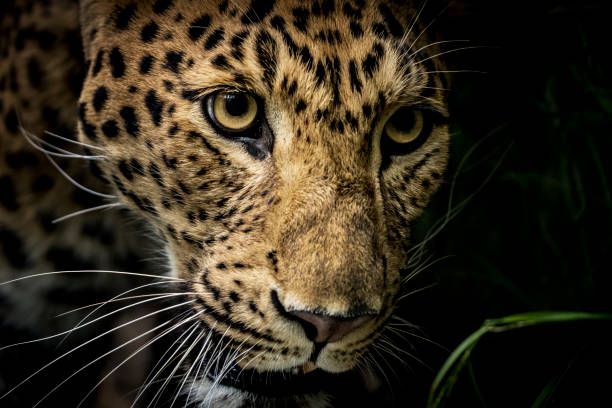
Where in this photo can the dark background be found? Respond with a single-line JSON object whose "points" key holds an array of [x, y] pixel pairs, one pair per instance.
{"points": [[537, 235]]}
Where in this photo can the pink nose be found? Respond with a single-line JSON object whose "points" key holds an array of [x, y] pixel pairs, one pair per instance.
{"points": [[328, 329]]}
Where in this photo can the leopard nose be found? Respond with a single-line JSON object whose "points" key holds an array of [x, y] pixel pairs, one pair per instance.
{"points": [[328, 329]]}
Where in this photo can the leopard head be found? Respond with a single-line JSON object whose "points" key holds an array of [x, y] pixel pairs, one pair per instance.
{"points": [[282, 150]]}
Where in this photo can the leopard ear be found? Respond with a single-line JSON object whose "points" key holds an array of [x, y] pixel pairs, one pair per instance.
{"points": [[96, 15]]}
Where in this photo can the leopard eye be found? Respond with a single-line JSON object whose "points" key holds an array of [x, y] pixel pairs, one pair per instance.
{"points": [[405, 126], [232, 112]]}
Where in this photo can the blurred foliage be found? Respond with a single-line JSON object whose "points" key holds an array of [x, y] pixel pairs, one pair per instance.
{"points": [[538, 236]]}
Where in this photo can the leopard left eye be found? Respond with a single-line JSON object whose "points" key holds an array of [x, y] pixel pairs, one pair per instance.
{"points": [[405, 131], [405, 126], [232, 112]]}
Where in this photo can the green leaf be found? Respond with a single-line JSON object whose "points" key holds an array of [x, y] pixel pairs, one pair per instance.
{"points": [[448, 375]]}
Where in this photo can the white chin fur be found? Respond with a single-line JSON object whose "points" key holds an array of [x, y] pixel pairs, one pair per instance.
{"points": [[206, 394]]}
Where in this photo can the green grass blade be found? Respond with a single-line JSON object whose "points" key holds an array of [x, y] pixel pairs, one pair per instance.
{"points": [[451, 367], [449, 373], [544, 398]]}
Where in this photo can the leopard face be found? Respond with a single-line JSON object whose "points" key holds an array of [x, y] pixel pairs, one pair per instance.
{"points": [[282, 151]]}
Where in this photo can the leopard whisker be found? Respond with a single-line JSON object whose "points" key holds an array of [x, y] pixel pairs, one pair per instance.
{"points": [[144, 275], [87, 211], [415, 291], [422, 268], [178, 353], [57, 151], [98, 359], [184, 355], [215, 361], [148, 295], [169, 330], [234, 358], [83, 345], [402, 333], [74, 182], [473, 47], [80, 325], [433, 44], [151, 378], [135, 390], [452, 71], [413, 24], [257, 356], [453, 211], [219, 375], [102, 304], [201, 358], [252, 359], [187, 373], [31, 138], [432, 22], [66, 139], [390, 346], [404, 322], [379, 367], [384, 348]]}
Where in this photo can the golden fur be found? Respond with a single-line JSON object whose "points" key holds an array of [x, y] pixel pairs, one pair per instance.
{"points": [[321, 222]]}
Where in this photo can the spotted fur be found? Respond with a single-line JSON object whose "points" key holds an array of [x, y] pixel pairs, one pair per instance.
{"points": [[315, 217]]}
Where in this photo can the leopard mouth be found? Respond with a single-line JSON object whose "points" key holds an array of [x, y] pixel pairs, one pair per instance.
{"points": [[305, 379]]}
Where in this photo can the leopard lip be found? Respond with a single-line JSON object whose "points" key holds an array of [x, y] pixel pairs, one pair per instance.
{"points": [[308, 367]]}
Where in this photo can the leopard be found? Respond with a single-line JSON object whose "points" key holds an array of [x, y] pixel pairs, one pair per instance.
{"points": [[275, 154]]}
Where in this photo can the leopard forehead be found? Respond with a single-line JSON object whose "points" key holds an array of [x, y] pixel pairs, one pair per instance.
{"points": [[316, 225]]}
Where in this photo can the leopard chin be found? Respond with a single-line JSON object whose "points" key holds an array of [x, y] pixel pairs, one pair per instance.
{"points": [[207, 393]]}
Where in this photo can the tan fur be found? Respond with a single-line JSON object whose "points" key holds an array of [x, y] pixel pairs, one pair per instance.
{"points": [[317, 221], [327, 212]]}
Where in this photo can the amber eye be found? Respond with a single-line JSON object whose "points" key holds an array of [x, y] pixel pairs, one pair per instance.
{"points": [[405, 126], [232, 111]]}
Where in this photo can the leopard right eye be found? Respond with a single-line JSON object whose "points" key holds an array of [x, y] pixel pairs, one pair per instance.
{"points": [[232, 113], [240, 117]]}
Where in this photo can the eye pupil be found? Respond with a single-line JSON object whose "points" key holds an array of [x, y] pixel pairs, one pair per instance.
{"points": [[236, 104], [403, 120]]}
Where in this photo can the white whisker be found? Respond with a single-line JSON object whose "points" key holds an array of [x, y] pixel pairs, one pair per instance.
{"points": [[183, 356], [188, 372], [83, 345], [86, 210], [201, 357], [432, 22], [80, 325], [148, 295], [402, 333], [31, 138], [414, 22], [433, 44], [160, 297], [137, 352], [380, 369], [74, 182], [474, 47], [414, 292], [144, 275], [109, 352], [74, 141], [422, 268], [150, 377]]}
